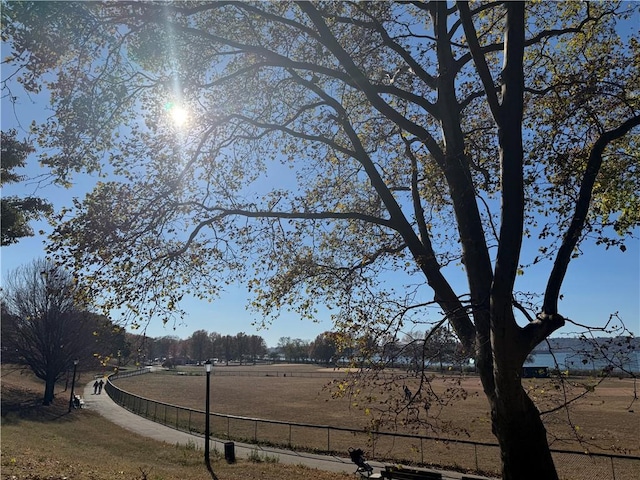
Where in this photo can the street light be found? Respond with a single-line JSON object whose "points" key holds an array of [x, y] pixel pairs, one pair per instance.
{"points": [[73, 383], [207, 368]]}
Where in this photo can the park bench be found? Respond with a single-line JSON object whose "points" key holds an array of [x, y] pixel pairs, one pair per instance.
{"points": [[405, 473]]}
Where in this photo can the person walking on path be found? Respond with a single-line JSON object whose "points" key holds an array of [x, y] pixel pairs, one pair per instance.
{"points": [[95, 387], [100, 384]]}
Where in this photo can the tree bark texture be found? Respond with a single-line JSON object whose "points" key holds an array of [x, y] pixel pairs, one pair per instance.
{"points": [[524, 450]]}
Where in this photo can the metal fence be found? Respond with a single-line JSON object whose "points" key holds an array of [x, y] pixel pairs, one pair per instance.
{"points": [[448, 454]]}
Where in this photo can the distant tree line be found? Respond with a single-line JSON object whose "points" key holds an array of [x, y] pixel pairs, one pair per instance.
{"points": [[199, 347], [414, 350]]}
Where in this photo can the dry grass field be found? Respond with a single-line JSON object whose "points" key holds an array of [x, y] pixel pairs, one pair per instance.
{"points": [[48, 443], [605, 419]]}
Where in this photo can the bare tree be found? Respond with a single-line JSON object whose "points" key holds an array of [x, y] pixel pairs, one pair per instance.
{"points": [[43, 326]]}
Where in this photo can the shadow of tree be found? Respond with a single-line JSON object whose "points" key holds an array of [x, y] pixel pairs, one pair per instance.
{"points": [[19, 403]]}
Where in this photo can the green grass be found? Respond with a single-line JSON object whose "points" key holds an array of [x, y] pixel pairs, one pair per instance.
{"points": [[256, 457]]}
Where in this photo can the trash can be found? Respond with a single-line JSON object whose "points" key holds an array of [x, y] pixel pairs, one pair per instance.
{"points": [[229, 452]]}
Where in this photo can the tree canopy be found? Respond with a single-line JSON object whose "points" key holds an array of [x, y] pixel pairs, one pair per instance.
{"points": [[343, 154], [17, 212]]}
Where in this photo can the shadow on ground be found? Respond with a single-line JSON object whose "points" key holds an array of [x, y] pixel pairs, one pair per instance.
{"points": [[19, 403]]}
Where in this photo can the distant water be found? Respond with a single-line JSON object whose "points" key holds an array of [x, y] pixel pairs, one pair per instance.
{"points": [[573, 361]]}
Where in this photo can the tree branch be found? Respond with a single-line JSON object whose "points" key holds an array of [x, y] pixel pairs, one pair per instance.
{"points": [[570, 240], [224, 212], [406, 56], [365, 86], [511, 153], [479, 60]]}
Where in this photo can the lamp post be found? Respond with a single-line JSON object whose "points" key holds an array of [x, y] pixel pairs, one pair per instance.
{"points": [[207, 368], [73, 383]]}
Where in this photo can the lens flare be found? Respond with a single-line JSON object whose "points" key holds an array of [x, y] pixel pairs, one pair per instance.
{"points": [[178, 114]]}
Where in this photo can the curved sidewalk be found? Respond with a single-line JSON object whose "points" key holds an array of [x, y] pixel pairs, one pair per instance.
{"points": [[115, 413]]}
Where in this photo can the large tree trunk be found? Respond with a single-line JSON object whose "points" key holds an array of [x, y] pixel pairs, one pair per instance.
{"points": [[522, 437], [516, 421], [49, 387]]}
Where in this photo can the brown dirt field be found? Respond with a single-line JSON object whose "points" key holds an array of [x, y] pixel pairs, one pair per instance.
{"points": [[606, 417]]}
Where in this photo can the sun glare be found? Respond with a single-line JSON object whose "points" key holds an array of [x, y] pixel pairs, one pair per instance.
{"points": [[178, 114]]}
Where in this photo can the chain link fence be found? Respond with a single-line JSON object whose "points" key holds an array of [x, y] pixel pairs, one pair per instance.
{"points": [[447, 454]]}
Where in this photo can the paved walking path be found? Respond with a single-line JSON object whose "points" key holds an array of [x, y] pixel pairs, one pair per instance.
{"points": [[115, 413]]}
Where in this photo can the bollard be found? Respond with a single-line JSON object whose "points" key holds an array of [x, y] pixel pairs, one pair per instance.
{"points": [[229, 452]]}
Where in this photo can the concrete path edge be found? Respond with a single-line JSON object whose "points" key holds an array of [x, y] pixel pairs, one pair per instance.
{"points": [[105, 406]]}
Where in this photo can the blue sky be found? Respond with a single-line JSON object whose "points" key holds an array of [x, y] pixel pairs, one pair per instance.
{"points": [[225, 315], [598, 283]]}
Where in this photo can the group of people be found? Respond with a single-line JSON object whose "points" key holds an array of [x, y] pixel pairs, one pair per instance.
{"points": [[97, 387]]}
